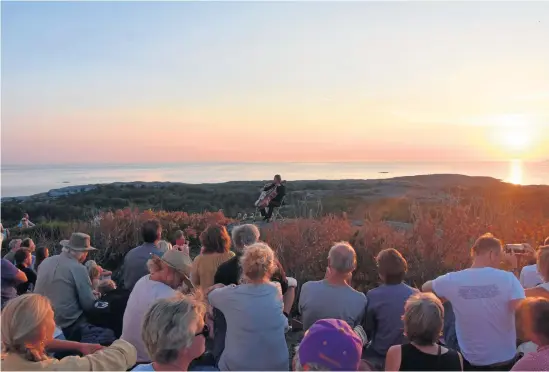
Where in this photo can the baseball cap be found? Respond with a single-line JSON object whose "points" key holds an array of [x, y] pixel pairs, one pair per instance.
{"points": [[331, 343]]}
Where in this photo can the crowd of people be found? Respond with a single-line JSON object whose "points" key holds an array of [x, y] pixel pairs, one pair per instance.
{"points": [[231, 307]]}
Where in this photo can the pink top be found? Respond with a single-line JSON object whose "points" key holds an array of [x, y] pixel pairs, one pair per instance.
{"points": [[537, 361]]}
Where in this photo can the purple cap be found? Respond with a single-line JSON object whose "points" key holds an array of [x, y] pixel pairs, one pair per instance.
{"points": [[331, 343]]}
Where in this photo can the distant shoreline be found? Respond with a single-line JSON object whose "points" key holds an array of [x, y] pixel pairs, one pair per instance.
{"points": [[75, 189]]}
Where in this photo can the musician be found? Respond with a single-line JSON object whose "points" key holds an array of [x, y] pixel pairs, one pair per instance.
{"points": [[277, 200]]}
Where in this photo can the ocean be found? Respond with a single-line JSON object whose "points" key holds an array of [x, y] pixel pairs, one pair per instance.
{"points": [[23, 180]]}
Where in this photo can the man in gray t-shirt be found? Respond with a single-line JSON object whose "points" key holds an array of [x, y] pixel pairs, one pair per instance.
{"points": [[333, 297]]}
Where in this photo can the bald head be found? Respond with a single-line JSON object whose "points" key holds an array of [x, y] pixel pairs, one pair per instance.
{"points": [[342, 258]]}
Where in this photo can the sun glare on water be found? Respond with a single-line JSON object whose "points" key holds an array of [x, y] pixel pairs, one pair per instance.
{"points": [[515, 172]]}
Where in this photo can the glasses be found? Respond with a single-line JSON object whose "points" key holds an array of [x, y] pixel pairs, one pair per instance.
{"points": [[205, 332]]}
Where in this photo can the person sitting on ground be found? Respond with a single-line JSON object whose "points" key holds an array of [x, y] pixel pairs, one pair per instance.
{"points": [[230, 272], [329, 345], [333, 297], [66, 283], [23, 260], [11, 278], [181, 243], [255, 321], [135, 261], [14, 245], [216, 244], [167, 274], [423, 322], [383, 320], [484, 299], [108, 310], [276, 202], [27, 332], [174, 334], [537, 314], [541, 290], [93, 272], [25, 222], [41, 254], [28, 245]]}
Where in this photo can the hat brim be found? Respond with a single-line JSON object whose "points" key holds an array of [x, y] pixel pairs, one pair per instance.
{"points": [[67, 244]]}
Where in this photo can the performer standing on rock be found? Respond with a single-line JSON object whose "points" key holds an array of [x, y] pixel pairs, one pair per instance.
{"points": [[273, 194]]}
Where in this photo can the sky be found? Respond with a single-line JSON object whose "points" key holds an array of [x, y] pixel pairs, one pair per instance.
{"points": [[147, 82]]}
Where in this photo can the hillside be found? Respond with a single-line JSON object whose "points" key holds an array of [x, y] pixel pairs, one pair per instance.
{"points": [[319, 197]]}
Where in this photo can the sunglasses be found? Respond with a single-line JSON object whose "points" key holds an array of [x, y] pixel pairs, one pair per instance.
{"points": [[205, 332]]}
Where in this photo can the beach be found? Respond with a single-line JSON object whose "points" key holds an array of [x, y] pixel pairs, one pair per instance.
{"points": [[24, 180]]}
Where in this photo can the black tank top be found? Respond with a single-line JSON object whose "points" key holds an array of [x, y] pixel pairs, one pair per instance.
{"points": [[414, 359]]}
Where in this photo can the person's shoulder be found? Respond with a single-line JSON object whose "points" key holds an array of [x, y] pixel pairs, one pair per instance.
{"points": [[311, 284]]}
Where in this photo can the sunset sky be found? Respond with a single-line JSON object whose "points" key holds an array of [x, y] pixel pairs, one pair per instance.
{"points": [[289, 81]]}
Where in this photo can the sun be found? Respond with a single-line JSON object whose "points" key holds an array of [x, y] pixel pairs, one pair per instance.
{"points": [[514, 134], [516, 139]]}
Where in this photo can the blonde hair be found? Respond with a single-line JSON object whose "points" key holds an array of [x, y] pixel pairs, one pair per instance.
{"points": [[543, 262], [164, 246], [93, 270], [486, 243], [423, 318], [170, 325], [258, 261], [22, 321]]}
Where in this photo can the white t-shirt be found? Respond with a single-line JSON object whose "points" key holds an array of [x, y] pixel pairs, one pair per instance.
{"points": [[485, 322], [144, 293], [529, 276]]}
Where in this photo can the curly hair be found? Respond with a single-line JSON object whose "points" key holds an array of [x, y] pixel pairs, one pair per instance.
{"points": [[258, 261], [215, 239]]}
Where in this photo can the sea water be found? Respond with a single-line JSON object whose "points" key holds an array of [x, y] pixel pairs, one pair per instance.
{"points": [[23, 180]]}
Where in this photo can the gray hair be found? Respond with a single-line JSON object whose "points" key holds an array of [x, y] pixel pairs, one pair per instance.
{"points": [[423, 318], [75, 254], [310, 367], [170, 325], [342, 258], [245, 235]]}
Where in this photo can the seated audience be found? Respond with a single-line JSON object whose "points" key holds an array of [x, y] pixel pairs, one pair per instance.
{"points": [[28, 245], [537, 315], [329, 345], [23, 261], [541, 290], [333, 297], [11, 278], [27, 337], [423, 322], [174, 334], [484, 299], [256, 324], [216, 244], [230, 272], [167, 274], [108, 311], [93, 272], [383, 321], [14, 245], [135, 261], [25, 222], [65, 282], [181, 243], [41, 254]]}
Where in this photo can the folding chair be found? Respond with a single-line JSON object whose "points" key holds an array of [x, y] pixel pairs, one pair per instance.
{"points": [[277, 215]]}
